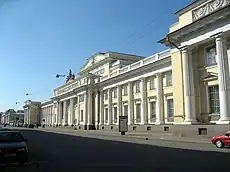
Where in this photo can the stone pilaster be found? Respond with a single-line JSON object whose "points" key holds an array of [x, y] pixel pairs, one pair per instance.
{"points": [[131, 103], [143, 101], [160, 100], [224, 80], [189, 93]]}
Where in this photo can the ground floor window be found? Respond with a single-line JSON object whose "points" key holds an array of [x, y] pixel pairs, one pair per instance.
{"points": [[170, 110], [82, 115], [214, 101], [106, 115], [115, 114], [125, 110], [152, 106], [138, 113]]}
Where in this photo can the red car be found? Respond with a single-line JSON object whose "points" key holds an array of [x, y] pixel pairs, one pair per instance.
{"points": [[222, 140]]}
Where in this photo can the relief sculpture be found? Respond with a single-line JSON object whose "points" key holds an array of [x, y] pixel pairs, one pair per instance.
{"points": [[209, 8]]}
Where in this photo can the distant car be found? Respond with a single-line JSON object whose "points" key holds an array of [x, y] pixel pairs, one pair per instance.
{"points": [[13, 148], [221, 140], [31, 126]]}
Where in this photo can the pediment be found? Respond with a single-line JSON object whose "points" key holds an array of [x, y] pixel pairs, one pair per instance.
{"points": [[93, 60]]}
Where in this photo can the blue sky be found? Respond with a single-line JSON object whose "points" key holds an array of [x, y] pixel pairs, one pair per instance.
{"points": [[40, 38]]}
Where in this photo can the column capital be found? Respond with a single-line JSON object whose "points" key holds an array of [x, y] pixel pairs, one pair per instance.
{"points": [[187, 49], [218, 36]]}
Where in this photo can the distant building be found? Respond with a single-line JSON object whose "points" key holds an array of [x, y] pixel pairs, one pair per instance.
{"points": [[32, 112], [12, 116], [1, 117]]}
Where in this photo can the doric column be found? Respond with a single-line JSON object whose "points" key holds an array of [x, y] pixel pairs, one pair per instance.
{"points": [[78, 111], [130, 109], [65, 112], [101, 108], [96, 107], [59, 115], [160, 100], [189, 93], [110, 117], [72, 111], [86, 108], [143, 101], [224, 80], [119, 102], [90, 104]]}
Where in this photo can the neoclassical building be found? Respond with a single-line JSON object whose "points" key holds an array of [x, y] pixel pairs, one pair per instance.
{"points": [[188, 83]]}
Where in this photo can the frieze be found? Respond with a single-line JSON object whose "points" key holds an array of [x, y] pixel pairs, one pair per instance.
{"points": [[209, 8], [71, 86]]}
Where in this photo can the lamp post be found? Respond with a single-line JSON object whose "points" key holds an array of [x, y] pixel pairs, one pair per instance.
{"points": [[59, 75]]}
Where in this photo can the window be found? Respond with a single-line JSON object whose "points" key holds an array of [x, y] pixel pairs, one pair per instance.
{"points": [[214, 101], [81, 98], [125, 91], [106, 115], [106, 94], [114, 92], [125, 110], [137, 84], [115, 114], [170, 110], [138, 112], [169, 78], [211, 55], [82, 115], [152, 111], [151, 84]]}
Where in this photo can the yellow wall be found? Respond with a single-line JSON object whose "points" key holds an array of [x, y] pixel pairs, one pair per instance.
{"points": [[177, 80]]}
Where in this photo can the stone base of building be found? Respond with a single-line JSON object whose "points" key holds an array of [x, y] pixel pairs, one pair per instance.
{"points": [[208, 130], [223, 122]]}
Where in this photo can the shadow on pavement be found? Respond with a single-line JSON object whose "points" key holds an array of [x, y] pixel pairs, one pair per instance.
{"points": [[59, 152]]}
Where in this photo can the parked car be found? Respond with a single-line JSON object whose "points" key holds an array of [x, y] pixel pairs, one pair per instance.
{"points": [[221, 140], [31, 126], [13, 148], [5, 129]]}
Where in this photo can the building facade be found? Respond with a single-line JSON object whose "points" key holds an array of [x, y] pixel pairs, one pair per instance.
{"points": [[12, 116], [32, 111], [187, 84]]}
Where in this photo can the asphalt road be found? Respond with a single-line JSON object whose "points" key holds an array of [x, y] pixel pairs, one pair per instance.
{"points": [[58, 152]]}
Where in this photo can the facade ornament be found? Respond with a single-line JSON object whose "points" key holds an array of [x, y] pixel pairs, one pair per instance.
{"points": [[209, 8]]}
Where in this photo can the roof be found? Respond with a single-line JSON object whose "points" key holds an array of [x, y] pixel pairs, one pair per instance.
{"points": [[191, 24], [187, 6]]}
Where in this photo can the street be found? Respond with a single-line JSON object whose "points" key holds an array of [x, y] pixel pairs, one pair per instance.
{"points": [[59, 152]]}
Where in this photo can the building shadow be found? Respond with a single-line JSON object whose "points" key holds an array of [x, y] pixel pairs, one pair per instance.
{"points": [[60, 152]]}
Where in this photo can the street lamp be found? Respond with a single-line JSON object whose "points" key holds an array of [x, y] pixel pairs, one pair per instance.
{"points": [[58, 76], [28, 94]]}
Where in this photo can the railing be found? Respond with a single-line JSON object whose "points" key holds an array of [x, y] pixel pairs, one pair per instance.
{"points": [[124, 69], [163, 54], [135, 65], [143, 62], [114, 74], [149, 59]]}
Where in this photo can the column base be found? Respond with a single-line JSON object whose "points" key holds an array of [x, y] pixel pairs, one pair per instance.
{"points": [[90, 127], [190, 122], [223, 122], [159, 122]]}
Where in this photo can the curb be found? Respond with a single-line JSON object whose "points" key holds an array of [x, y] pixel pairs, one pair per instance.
{"points": [[127, 136]]}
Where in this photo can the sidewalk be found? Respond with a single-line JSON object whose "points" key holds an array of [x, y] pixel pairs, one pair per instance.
{"points": [[137, 135]]}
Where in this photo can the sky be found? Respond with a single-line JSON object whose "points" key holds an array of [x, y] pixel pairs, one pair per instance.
{"points": [[42, 38]]}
